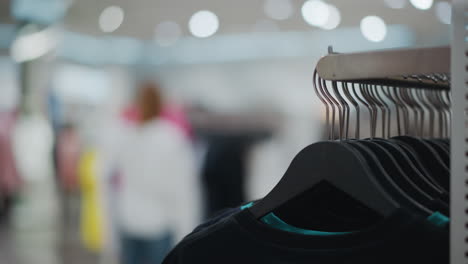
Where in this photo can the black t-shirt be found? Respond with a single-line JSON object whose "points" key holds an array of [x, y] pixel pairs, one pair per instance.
{"points": [[240, 238]]}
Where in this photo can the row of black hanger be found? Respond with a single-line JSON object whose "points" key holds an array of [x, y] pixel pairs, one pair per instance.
{"points": [[383, 174]]}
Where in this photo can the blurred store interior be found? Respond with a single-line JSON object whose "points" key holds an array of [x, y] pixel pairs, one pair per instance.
{"points": [[236, 78]]}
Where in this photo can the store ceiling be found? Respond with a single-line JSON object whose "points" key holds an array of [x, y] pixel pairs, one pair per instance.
{"points": [[239, 16]]}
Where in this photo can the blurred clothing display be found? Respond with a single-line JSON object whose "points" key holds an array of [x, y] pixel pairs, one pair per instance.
{"points": [[55, 109], [91, 211], [223, 172], [224, 168], [9, 177], [68, 155], [157, 191], [32, 145]]}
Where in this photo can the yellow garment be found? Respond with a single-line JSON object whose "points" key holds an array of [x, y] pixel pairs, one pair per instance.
{"points": [[91, 213]]}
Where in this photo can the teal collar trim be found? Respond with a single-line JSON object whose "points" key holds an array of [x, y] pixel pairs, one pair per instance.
{"points": [[274, 221], [438, 219], [245, 206]]}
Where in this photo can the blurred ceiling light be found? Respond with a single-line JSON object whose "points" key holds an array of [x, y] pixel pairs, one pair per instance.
{"points": [[444, 12], [334, 18], [167, 33], [265, 25], [111, 18], [373, 28], [422, 4], [203, 24], [278, 9], [395, 4], [315, 12], [30, 46]]}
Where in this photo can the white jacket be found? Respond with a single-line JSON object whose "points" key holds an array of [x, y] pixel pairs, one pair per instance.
{"points": [[159, 191]]}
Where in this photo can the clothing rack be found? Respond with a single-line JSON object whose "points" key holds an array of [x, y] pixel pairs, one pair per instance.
{"points": [[437, 68]]}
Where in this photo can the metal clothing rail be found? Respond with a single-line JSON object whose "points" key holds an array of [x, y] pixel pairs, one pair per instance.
{"points": [[421, 67]]}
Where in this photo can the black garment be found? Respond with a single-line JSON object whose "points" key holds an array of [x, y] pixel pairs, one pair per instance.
{"points": [[219, 216], [240, 238], [224, 168], [223, 173]]}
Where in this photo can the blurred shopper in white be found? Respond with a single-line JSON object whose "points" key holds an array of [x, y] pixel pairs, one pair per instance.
{"points": [[158, 187]]}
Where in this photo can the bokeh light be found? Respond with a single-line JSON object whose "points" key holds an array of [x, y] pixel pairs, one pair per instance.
{"points": [[422, 4], [203, 24], [111, 18], [373, 28], [444, 12], [315, 13], [334, 18]]}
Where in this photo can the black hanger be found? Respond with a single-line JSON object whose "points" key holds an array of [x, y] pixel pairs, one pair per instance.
{"points": [[407, 177], [338, 164], [394, 170], [381, 154], [419, 164], [443, 152], [444, 142], [410, 167], [390, 154], [430, 158], [383, 165]]}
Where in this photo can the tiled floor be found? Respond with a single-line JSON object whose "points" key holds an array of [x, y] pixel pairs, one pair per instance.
{"points": [[7, 253], [50, 244]]}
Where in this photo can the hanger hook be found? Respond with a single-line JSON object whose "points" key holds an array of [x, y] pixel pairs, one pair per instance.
{"points": [[436, 106], [333, 103], [323, 100], [344, 111], [422, 96], [370, 108], [420, 107], [446, 110], [387, 92], [356, 107], [405, 108], [362, 101], [440, 113], [382, 105], [448, 96], [372, 104], [388, 108]]}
